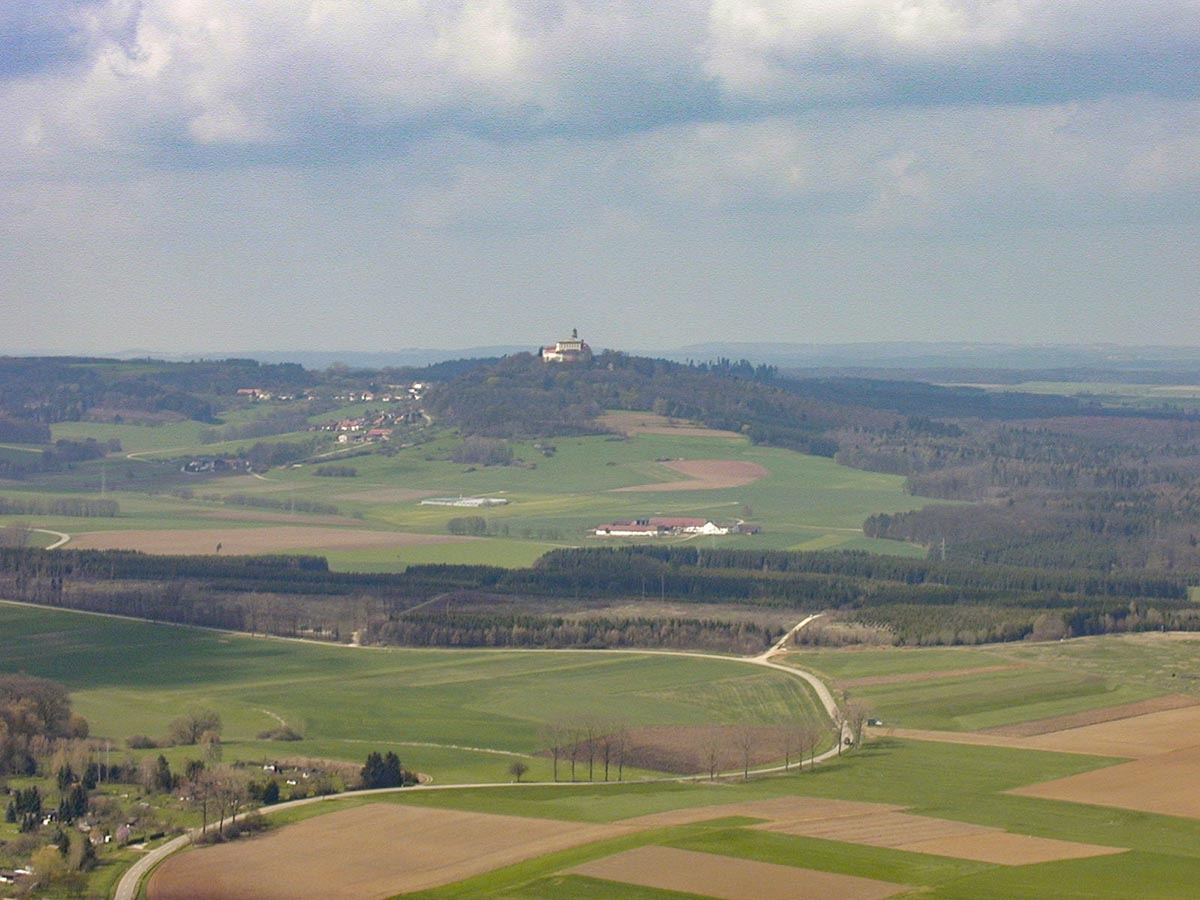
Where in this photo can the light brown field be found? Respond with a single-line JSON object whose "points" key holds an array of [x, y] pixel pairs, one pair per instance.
{"points": [[239, 541], [1164, 744], [366, 853], [1157, 784], [939, 837], [648, 423], [780, 809], [1094, 716], [730, 878], [883, 825], [1127, 737], [705, 475]]}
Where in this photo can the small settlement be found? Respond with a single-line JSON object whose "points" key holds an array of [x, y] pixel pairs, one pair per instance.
{"points": [[660, 526]]}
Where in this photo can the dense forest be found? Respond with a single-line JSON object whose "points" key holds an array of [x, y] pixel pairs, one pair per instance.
{"points": [[906, 601]]}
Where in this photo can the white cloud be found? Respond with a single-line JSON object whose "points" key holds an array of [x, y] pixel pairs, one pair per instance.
{"points": [[169, 76]]}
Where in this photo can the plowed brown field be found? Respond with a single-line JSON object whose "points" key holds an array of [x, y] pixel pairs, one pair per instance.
{"points": [[882, 825], [366, 853], [704, 475], [731, 879], [649, 423]]}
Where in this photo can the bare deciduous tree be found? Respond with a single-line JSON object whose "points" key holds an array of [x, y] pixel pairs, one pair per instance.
{"points": [[745, 737], [551, 734], [712, 750]]}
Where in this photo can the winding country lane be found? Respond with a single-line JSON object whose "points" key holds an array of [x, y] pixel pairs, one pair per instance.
{"points": [[127, 887]]}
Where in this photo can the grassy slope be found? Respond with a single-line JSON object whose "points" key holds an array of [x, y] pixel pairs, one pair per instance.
{"points": [[1044, 679], [131, 677], [804, 503], [128, 674]]}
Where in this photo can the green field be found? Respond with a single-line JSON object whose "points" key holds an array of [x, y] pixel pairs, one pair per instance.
{"points": [[804, 503], [132, 677], [937, 688]]}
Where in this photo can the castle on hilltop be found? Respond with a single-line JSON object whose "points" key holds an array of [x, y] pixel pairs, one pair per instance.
{"points": [[572, 350]]}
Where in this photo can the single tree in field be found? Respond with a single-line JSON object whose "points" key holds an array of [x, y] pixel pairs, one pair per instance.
{"points": [[839, 724], [517, 769], [551, 735], [193, 725], [591, 731], [808, 738], [745, 737], [856, 715], [620, 748], [712, 750]]}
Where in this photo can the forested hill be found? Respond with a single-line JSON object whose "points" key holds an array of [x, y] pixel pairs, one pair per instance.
{"points": [[522, 397]]}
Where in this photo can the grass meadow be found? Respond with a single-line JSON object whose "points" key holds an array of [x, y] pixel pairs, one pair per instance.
{"points": [[803, 503], [970, 688], [460, 716], [431, 706]]}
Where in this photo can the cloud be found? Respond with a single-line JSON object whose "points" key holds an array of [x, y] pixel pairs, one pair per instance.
{"points": [[236, 81]]}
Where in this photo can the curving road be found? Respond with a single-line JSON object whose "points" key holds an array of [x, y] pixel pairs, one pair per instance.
{"points": [[127, 887], [62, 536]]}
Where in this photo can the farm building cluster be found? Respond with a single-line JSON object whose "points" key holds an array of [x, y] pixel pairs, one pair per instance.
{"points": [[470, 502], [670, 526]]}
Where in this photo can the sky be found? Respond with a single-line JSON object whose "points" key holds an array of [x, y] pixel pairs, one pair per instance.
{"points": [[191, 176]]}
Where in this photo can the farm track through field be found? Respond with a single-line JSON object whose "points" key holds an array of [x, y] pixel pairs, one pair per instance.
{"points": [[130, 883], [62, 537]]}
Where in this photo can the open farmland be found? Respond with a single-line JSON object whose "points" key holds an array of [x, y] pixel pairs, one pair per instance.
{"points": [[252, 541], [555, 500], [459, 716], [944, 820]]}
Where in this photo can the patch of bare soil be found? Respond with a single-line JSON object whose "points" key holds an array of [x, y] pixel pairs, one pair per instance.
{"points": [[704, 475], [1094, 716], [244, 541], [700, 749], [1135, 737], [1157, 784], [780, 809], [940, 837], [367, 853], [631, 423], [729, 878]]}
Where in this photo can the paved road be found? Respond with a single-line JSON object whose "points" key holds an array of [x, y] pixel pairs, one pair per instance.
{"points": [[127, 887]]}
